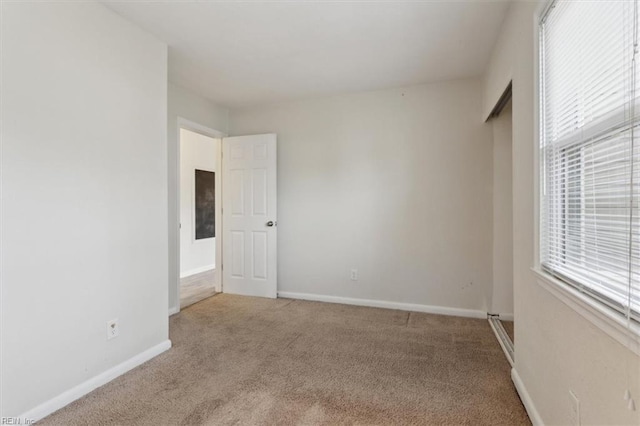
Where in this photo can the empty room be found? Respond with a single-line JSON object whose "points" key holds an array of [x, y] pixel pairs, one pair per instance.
{"points": [[319, 212]]}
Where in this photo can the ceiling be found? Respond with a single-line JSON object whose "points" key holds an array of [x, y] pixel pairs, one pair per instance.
{"points": [[240, 53]]}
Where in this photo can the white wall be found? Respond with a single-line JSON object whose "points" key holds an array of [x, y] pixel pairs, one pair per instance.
{"points": [[186, 105], [502, 296], [557, 349], [196, 152], [395, 183], [84, 196]]}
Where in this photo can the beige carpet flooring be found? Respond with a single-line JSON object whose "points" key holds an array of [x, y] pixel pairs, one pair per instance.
{"points": [[249, 361]]}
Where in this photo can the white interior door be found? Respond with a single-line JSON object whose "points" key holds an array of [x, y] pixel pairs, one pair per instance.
{"points": [[249, 216]]}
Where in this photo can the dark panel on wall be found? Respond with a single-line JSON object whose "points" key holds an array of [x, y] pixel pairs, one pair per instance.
{"points": [[205, 204]]}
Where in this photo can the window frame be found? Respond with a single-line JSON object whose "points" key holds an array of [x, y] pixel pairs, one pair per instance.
{"points": [[609, 320]]}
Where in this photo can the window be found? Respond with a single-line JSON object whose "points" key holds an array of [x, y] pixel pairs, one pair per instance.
{"points": [[590, 150]]}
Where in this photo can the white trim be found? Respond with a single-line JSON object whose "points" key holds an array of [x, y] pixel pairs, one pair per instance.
{"points": [[506, 317], [606, 319], [536, 129], [502, 345], [195, 271], [174, 310], [183, 123], [441, 310], [67, 397], [534, 416]]}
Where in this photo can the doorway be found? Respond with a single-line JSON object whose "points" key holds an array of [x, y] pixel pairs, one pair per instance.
{"points": [[248, 182], [199, 216], [502, 300]]}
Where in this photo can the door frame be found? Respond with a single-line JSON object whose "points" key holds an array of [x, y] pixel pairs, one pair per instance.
{"points": [[192, 126]]}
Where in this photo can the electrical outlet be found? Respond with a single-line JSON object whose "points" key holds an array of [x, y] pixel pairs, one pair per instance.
{"points": [[575, 410], [354, 275], [113, 329]]}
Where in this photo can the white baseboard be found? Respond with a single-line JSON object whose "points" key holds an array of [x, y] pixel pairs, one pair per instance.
{"points": [[441, 310], [190, 272], [173, 311], [67, 397], [534, 416], [506, 317]]}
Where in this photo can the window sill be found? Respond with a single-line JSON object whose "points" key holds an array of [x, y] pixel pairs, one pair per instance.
{"points": [[607, 320]]}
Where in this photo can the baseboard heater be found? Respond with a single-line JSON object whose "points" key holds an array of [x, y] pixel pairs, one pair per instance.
{"points": [[503, 337]]}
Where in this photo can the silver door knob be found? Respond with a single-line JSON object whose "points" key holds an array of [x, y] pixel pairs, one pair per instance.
{"points": [[270, 223]]}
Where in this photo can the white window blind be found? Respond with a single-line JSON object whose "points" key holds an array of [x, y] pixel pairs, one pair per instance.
{"points": [[590, 150]]}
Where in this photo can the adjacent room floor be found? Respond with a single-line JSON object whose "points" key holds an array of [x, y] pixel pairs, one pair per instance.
{"points": [[243, 360], [195, 288]]}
